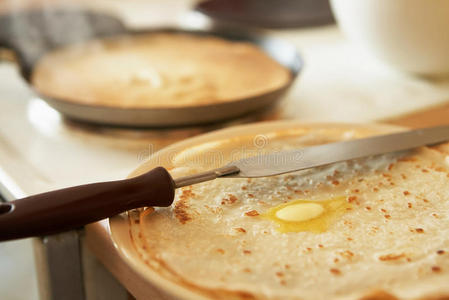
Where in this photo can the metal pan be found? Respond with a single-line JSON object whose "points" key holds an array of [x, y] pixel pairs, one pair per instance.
{"points": [[18, 33]]}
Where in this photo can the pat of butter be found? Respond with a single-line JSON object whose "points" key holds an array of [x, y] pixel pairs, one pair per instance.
{"points": [[307, 215], [300, 212]]}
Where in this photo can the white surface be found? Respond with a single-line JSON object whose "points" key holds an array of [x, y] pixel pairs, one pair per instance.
{"points": [[39, 152], [341, 82], [409, 34], [17, 272]]}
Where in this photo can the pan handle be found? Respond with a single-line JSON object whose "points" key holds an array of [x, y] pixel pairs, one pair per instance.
{"points": [[33, 32], [4, 32], [73, 207]]}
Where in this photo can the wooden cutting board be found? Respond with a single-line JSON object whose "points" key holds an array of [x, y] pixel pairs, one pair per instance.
{"points": [[434, 116]]}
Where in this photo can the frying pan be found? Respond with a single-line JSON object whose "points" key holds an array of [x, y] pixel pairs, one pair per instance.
{"points": [[32, 34], [150, 282]]}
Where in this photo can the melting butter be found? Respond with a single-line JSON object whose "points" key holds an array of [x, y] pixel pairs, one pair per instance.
{"points": [[307, 215], [300, 212]]}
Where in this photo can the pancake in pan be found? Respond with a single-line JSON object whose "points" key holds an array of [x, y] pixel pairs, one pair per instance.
{"points": [[158, 70], [381, 233]]}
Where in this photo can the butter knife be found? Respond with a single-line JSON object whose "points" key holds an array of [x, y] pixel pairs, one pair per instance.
{"points": [[73, 207]]}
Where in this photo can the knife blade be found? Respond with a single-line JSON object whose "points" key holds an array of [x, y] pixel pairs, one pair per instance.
{"points": [[300, 159]]}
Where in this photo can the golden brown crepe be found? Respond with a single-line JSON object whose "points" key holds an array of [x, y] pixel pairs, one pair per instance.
{"points": [[158, 70], [388, 239]]}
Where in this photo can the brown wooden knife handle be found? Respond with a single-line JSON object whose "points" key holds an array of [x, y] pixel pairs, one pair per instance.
{"points": [[73, 207]]}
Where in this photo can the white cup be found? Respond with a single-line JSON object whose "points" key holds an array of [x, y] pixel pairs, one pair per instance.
{"points": [[411, 35]]}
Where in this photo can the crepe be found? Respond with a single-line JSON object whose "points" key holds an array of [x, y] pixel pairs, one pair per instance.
{"points": [[389, 240], [158, 70]]}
